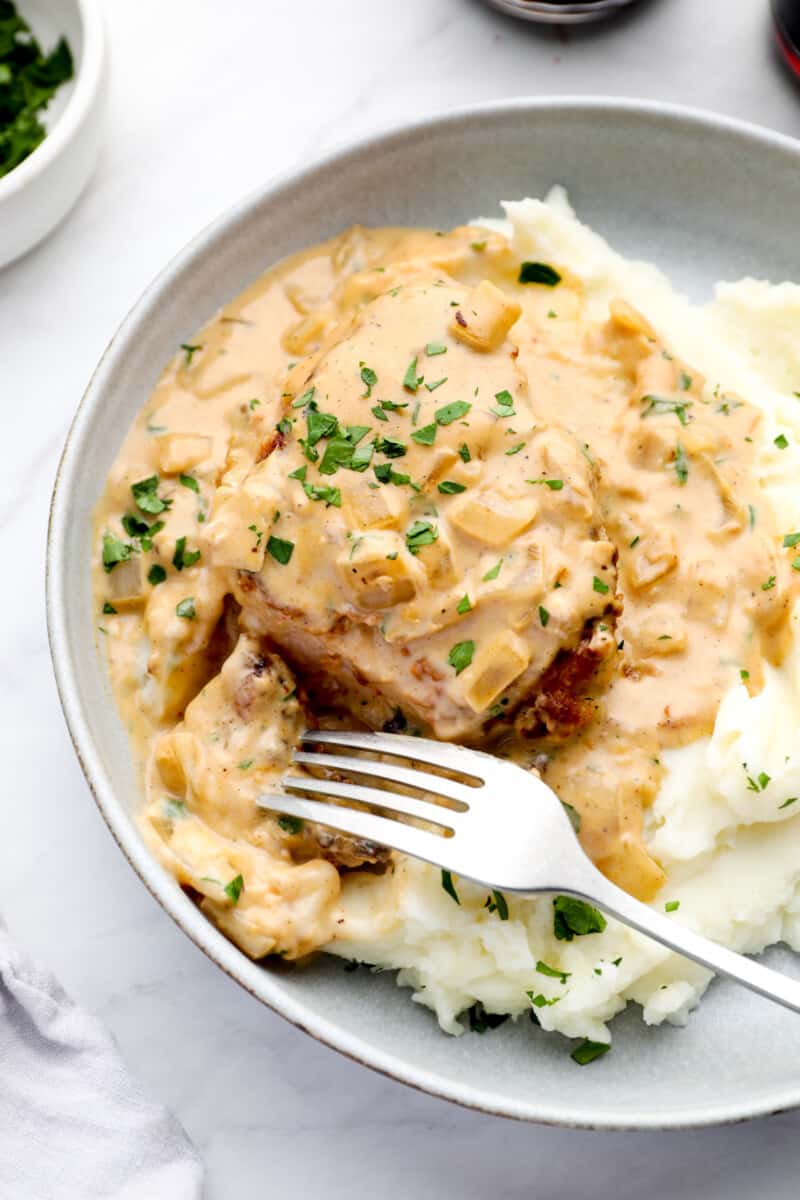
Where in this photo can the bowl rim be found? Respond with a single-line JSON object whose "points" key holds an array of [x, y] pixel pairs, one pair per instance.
{"points": [[252, 977], [88, 81]]}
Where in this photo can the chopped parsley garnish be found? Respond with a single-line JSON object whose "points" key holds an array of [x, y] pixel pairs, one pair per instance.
{"points": [[331, 495], [461, 656], [245, 764], [369, 379], [493, 572], [421, 533], [552, 972], [425, 436], [541, 1001], [114, 551], [504, 398], [109, 608], [451, 412], [135, 527], [411, 380], [448, 487], [672, 906], [305, 399], [156, 574], [760, 783], [464, 606], [290, 824], [319, 424], [681, 464], [574, 816], [437, 383], [434, 348], [768, 584], [190, 482], [480, 1020], [477, 246], [280, 549], [796, 564], [786, 803], [183, 557], [599, 586], [539, 272], [544, 615], [285, 426], [516, 449], [449, 886], [791, 539], [144, 493], [555, 485], [497, 903], [186, 609], [234, 889], [28, 81], [574, 918], [463, 453], [390, 448], [385, 473], [338, 453], [660, 405], [588, 1051], [684, 382], [189, 352], [744, 675], [781, 441], [634, 541]]}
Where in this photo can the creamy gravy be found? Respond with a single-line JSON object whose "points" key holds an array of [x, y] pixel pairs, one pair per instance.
{"points": [[449, 500]]}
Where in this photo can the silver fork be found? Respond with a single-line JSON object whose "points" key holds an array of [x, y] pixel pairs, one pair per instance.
{"points": [[489, 821]]}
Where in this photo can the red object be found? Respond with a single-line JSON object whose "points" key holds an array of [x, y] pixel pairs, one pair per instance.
{"points": [[786, 14]]}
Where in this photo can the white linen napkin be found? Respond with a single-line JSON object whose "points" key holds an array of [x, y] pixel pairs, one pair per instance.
{"points": [[73, 1124]]}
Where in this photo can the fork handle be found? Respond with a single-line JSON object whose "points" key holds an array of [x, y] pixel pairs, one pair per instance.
{"points": [[763, 980]]}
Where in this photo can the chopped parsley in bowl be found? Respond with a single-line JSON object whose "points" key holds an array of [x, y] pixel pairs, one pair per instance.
{"points": [[29, 78]]}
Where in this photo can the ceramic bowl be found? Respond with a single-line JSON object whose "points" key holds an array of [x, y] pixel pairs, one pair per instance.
{"points": [[39, 193], [704, 197]]}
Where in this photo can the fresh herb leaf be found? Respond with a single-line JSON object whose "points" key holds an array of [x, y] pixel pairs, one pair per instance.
{"points": [[681, 464], [463, 453], [791, 539], [781, 441], [331, 495], [190, 482], [109, 608], [434, 348], [599, 586], [672, 906], [280, 549], [544, 615], [464, 606], [555, 485], [390, 448], [437, 383], [156, 574], [449, 886], [189, 352], [369, 379], [786, 803], [493, 572], [425, 436], [234, 889], [461, 655], [183, 557], [114, 551], [421, 533], [411, 380], [448, 487], [575, 918], [659, 405], [588, 1051], [451, 412], [186, 609], [497, 903], [552, 972], [768, 584], [289, 824], [539, 272]]}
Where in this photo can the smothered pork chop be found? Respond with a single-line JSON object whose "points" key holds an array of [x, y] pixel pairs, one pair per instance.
{"points": [[450, 484]]}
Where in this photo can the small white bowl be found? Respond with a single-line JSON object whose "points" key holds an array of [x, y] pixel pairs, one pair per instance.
{"points": [[39, 193]]}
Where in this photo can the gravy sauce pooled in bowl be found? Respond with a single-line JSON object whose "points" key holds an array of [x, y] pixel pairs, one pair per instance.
{"points": [[427, 482]]}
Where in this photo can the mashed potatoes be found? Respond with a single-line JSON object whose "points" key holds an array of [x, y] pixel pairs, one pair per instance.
{"points": [[730, 846], [328, 511]]}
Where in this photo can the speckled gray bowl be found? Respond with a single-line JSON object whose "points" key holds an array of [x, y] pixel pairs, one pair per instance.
{"points": [[705, 198]]}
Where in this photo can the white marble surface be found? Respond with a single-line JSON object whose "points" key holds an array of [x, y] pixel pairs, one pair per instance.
{"points": [[208, 99]]}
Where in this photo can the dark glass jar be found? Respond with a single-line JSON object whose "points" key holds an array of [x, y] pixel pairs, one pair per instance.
{"points": [[561, 12], [786, 14]]}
